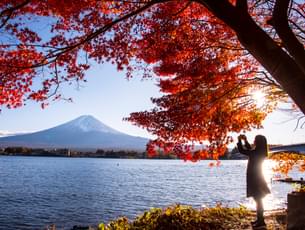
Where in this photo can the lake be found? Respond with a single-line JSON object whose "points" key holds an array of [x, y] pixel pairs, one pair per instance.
{"points": [[40, 191]]}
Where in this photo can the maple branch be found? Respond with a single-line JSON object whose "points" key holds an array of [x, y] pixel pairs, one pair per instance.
{"points": [[257, 3], [298, 122], [29, 45], [280, 23], [201, 21], [9, 12], [53, 55], [223, 47], [110, 25], [297, 27], [299, 13], [210, 103], [268, 79], [56, 81]]}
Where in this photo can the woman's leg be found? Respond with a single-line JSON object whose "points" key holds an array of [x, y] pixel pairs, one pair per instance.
{"points": [[259, 210]]}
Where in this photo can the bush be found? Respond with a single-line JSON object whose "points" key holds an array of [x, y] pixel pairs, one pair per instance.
{"points": [[184, 217]]}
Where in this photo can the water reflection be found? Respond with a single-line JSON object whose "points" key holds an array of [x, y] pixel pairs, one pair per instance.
{"points": [[274, 200], [86, 191]]}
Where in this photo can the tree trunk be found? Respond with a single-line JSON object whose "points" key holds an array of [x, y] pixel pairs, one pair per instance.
{"points": [[276, 61], [262, 47], [296, 211]]}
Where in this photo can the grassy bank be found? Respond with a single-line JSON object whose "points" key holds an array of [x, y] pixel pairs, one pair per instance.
{"points": [[184, 217]]}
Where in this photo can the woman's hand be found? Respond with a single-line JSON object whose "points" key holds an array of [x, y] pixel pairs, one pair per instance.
{"points": [[242, 137]]}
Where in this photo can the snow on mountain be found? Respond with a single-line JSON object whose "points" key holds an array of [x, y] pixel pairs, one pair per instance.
{"points": [[88, 123], [83, 132], [4, 133]]}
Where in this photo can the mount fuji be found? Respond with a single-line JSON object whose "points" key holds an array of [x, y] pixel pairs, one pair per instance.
{"points": [[84, 132]]}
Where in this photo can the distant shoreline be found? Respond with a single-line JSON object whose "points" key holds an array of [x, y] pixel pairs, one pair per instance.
{"points": [[103, 157], [99, 153], [64, 152]]}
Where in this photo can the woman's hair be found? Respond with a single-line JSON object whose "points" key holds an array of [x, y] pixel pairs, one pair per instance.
{"points": [[260, 142]]}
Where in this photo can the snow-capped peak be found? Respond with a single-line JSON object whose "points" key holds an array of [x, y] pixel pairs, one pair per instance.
{"points": [[87, 123]]}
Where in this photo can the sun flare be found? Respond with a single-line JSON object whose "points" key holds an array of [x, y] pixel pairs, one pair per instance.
{"points": [[258, 97], [271, 201]]}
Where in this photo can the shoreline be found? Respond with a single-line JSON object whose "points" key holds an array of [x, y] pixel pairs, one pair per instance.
{"points": [[175, 217], [108, 157]]}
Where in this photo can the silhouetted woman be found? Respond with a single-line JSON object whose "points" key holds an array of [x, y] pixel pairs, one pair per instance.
{"points": [[256, 184]]}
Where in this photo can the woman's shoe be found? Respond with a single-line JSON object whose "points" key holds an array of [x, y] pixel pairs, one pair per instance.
{"points": [[259, 224], [254, 222]]}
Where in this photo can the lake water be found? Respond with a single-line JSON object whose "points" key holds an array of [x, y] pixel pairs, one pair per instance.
{"points": [[39, 191]]}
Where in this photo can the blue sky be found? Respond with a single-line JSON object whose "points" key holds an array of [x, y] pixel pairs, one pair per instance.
{"points": [[109, 97]]}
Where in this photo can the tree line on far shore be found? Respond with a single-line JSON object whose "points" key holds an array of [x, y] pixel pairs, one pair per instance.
{"points": [[66, 152], [100, 153]]}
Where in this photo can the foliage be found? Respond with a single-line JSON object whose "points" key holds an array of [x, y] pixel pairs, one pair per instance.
{"points": [[184, 217], [300, 188], [286, 161], [207, 62]]}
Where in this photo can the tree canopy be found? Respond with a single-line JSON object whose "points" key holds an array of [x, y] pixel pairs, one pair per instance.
{"points": [[210, 58]]}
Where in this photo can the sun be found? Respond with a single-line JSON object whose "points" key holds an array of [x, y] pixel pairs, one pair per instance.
{"points": [[258, 97]]}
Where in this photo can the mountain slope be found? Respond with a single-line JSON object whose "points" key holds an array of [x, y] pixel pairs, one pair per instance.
{"points": [[82, 132]]}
